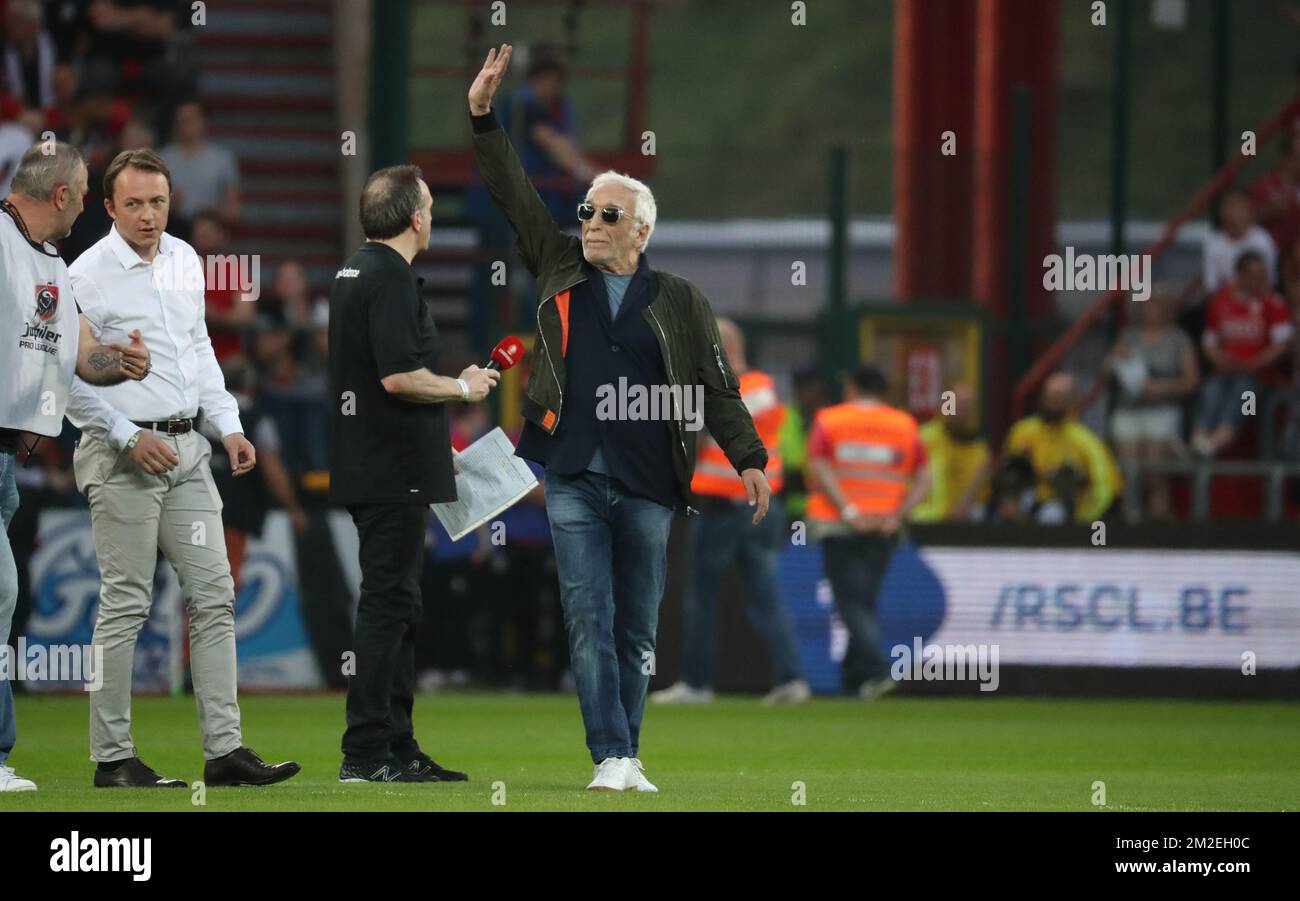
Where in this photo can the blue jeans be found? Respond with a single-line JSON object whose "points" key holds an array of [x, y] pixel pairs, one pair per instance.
{"points": [[1220, 402], [8, 595], [611, 552], [718, 537]]}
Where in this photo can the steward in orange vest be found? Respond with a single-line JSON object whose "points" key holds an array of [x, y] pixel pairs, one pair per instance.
{"points": [[714, 475], [720, 537], [867, 467]]}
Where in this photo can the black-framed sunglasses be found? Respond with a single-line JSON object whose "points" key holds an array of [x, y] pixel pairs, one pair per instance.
{"points": [[609, 214]]}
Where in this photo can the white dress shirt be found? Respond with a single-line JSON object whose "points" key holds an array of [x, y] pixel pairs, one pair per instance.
{"points": [[119, 292]]}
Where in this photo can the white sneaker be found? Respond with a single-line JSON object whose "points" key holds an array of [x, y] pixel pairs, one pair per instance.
{"points": [[611, 775], [878, 688], [636, 780], [12, 782], [796, 691], [681, 693]]}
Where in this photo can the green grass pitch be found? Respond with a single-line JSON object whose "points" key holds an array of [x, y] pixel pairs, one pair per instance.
{"points": [[898, 754]]}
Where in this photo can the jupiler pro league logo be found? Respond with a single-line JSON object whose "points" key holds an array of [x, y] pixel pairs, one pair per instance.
{"points": [[47, 302]]}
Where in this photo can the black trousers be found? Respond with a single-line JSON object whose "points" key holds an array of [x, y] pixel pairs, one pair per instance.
{"points": [[855, 566], [381, 693]]}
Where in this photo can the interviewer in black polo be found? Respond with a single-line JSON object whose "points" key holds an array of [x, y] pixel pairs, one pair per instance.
{"points": [[390, 457]]}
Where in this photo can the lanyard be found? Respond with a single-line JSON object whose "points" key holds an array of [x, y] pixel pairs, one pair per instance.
{"points": [[22, 227], [17, 217]]}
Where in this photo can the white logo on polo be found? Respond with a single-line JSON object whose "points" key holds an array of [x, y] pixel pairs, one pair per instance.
{"points": [[103, 855], [347, 273]]}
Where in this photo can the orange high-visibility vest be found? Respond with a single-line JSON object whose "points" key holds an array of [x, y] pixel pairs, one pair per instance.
{"points": [[714, 475], [873, 454]]}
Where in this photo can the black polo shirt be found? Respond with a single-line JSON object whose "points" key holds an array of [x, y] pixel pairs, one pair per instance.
{"points": [[383, 449]]}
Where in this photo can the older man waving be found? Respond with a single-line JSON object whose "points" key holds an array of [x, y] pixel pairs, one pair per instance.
{"points": [[615, 472]]}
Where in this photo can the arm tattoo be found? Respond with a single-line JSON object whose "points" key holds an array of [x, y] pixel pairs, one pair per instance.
{"points": [[103, 367]]}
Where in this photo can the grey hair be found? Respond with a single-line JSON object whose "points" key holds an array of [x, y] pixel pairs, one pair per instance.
{"points": [[646, 210], [44, 167]]}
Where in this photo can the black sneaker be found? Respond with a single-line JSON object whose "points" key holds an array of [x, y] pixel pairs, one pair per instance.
{"points": [[424, 765], [389, 770], [132, 773]]}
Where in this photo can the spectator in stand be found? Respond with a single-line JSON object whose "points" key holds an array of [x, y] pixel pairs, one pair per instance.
{"points": [[1155, 368], [68, 23], [293, 397], [132, 47], [137, 135], [15, 138], [452, 641], [540, 121], [205, 174], [95, 128], [1276, 194], [1247, 331], [1076, 475], [246, 501], [226, 314], [532, 646], [1290, 278], [63, 112], [1237, 233], [960, 463], [292, 298], [1013, 493], [28, 56]]}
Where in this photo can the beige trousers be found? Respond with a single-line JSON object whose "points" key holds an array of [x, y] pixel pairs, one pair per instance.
{"points": [[133, 514]]}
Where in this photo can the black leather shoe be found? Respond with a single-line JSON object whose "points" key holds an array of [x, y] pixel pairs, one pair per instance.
{"points": [[244, 767], [133, 773], [390, 770], [424, 765]]}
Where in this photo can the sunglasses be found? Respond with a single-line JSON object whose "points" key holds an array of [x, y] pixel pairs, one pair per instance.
{"points": [[609, 214]]}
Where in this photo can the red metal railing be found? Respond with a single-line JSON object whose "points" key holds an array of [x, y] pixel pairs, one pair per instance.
{"points": [[1221, 180]]}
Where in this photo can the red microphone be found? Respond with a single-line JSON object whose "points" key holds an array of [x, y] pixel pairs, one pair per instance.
{"points": [[508, 352]]}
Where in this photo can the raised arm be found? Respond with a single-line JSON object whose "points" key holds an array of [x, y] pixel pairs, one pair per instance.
{"points": [[540, 238]]}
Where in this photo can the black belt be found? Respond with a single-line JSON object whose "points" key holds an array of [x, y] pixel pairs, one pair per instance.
{"points": [[167, 426]]}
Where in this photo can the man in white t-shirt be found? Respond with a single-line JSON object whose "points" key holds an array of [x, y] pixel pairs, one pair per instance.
{"points": [[1237, 233], [43, 342]]}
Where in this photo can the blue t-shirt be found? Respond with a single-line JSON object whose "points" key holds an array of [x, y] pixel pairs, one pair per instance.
{"points": [[616, 288]]}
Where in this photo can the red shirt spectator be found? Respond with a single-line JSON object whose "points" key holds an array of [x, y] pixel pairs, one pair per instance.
{"points": [[1242, 326]]}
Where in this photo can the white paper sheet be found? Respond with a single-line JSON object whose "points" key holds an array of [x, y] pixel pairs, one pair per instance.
{"points": [[491, 479]]}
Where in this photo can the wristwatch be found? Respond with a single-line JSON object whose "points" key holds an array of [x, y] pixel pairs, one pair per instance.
{"points": [[848, 512], [132, 441]]}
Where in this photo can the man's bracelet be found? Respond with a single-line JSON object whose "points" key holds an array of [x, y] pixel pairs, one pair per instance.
{"points": [[464, 389]]}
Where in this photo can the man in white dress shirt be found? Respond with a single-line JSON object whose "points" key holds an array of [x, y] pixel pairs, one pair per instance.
{"points": [[144, 470]]}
